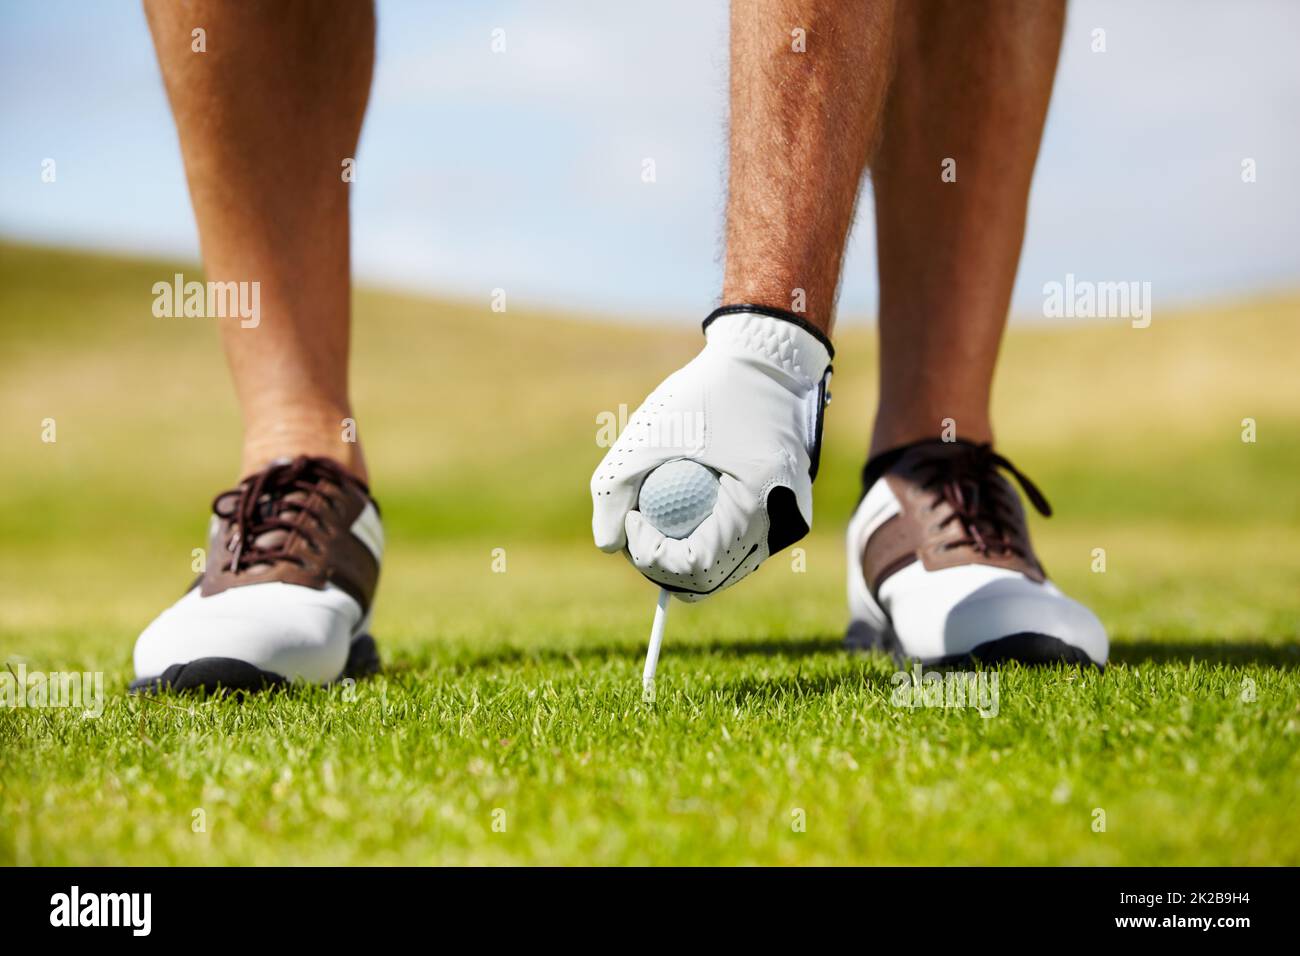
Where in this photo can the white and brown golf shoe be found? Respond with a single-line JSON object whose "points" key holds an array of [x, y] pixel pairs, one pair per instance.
{"points": [[941, 569], [292, 564]]}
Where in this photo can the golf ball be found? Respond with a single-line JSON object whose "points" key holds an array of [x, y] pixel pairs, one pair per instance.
{"points": [[678, 495]]}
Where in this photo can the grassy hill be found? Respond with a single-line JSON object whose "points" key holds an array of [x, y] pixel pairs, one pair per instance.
{"points": [[518, 690]]}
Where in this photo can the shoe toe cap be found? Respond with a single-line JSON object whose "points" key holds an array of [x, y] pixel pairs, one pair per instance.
{"points": [[954, 612], [294, 632], [1018, 606]]}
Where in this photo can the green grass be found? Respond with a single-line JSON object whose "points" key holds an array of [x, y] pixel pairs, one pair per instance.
{"points": [[519, 691]]}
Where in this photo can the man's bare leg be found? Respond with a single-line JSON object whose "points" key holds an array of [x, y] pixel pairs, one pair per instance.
{"points": [[971, 84], [941, 567], [266, 117], [802, 126]]}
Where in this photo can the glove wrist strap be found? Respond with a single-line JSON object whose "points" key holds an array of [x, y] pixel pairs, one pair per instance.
{"points": [[775, 313]]}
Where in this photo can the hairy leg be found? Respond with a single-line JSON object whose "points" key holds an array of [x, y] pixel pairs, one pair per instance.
{"points": [[802, 127], [266, 117], [972, 83]]}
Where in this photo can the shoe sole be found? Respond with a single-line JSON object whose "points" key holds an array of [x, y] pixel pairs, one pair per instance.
{"points": [[230, 674], [1026, 648]]}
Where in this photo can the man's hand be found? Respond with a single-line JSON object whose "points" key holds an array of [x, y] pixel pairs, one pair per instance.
{"points": [[750, 407]]}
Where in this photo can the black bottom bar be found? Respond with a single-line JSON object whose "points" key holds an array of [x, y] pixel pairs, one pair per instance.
{"points": [[305, 905]]}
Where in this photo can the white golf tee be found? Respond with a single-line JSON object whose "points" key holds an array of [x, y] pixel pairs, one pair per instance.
{"points": [[656, 641]]}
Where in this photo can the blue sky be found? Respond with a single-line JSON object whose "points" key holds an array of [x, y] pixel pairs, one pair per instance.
{"points": [[522, 169]]}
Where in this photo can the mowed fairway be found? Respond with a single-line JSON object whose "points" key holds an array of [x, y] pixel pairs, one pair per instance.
{"points": [[513, 698]]}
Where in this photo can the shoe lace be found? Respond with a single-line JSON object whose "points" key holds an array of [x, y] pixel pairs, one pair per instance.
{"points": [[263, 505], [968, 484]]}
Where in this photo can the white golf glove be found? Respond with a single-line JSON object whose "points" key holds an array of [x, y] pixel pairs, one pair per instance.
{"points": [[749, 406]]}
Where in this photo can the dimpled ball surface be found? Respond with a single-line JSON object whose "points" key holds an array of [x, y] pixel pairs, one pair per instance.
{"points": [[677, 496]]}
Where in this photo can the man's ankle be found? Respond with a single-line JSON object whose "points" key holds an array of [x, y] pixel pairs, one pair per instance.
{"points": [[258, 453], [894, 432]]}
